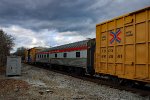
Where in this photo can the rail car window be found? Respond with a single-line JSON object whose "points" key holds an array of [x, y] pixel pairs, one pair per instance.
{"points": [[44, 56], [77, 54], [65, 55], [47, 55], [55, 55]]}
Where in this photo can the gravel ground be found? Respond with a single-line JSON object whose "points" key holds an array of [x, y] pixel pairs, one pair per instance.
{"points": [[40, 84]]}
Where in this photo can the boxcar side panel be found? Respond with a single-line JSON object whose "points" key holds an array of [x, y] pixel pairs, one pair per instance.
{"points": [[123, 46]]}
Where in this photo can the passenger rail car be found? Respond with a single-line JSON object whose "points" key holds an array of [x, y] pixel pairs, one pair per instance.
{"points": [[73, 56]]}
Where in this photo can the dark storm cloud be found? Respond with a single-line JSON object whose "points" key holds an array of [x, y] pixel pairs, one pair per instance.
{"points": [[36, 14], [54, 22], [64, 15]]}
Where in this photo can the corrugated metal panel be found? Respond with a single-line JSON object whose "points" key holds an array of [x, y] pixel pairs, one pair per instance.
{"points": [[123, 46]]}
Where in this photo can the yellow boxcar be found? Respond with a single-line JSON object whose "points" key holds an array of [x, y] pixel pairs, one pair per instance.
{"points": [[31, 54], [123, 46]]}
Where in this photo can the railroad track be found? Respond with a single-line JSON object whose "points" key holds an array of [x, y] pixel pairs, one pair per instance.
{"points": [[142, 91]]}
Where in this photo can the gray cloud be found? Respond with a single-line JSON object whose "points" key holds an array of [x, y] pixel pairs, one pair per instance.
{"points": [[76, 16], [64, 15]]}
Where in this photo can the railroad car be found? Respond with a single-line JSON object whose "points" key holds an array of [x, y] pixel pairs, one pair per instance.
{"points": [[73, 56], [123, 46], [42, 57], [30, 54], [26, 56], [121, 51]]}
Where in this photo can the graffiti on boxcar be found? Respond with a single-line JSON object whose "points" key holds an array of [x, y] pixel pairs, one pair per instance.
{"points": [[103, 38], [129, 33], [115, 36], [110, 51], [119, 56]]}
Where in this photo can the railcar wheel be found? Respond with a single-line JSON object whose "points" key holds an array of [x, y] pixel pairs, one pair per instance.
{"points": [[70, 70], [141, 84], [121, 82], [115, 80], [79, 71], [50, 66], [128, 83]]}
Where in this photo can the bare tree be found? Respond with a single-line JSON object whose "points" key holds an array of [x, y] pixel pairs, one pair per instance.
{"points": [[6, 44], [21, 52]]}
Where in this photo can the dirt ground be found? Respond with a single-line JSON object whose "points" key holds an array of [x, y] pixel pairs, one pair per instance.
{"points": [[2, 70], [40, 84]]}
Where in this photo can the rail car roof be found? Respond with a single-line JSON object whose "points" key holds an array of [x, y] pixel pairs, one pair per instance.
{"points": [[70, 45]]}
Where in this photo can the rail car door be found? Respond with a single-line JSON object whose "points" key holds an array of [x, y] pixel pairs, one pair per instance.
{"points": [[90, 57]]}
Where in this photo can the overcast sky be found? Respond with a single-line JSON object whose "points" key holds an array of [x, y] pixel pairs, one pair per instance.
{"points": [[56, 22]]}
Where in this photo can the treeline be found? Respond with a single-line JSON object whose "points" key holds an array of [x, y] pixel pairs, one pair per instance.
{"points": [[21, 52], [6, 44]]}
